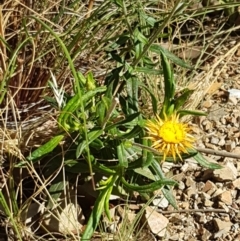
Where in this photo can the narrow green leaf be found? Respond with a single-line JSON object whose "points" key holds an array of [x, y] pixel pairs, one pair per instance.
{"points": [[106, 203], [169, 83], [169, 87], [55, 191], [180, 101], [159, 50], [166, 190], [9, 214], [74, 166], [45, 149], [191, 112], [91, 82], [148, 70], [139, 36], [129, 135], [153, 98], [101, 204], [132, 85], [95, 215], [122, 158], [144, 171], [205, 163], [127, 120], [102, 108], [93, 135], [150, 187]]}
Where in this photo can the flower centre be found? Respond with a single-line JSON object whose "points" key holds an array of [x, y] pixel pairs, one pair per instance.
{"points": [[172, 132]]}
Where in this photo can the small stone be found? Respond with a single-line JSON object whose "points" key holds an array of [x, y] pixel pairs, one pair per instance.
{"points": [[233, 169], [226, 197], [184, 167], [238, 167], [205, 196], [229, 145], [220, 225], [221, 233], [167, 166], [208, 126], [217, 192], [206, 234], [214, 140], [161, 202], [227, 173], [224, 206], [202, 219], [209, 187], [211, 146], [237, 149], [208, 203], [191, 191], [233, 100], [174, 237], [156, 222], [221, 142], [207, 104], [236, 184], [190, 182], [185, 205], [181, 185], [234, 193]]}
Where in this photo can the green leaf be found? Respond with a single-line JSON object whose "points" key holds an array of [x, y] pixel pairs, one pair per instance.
{"points": [[122, 158], [8, 212], [95, 215], [102, 108], [169, 87], [191, 112], [169, 83], [127, 120], [92, 135], [65, 118], [97, 144], [45, 149], [133, 133], [166, 190], [160, 50], [150, 187], [55, 190], [148, 70], [144, 171], [205, 163], [101, 204], [132, 85], [180, 101], [91, 82], [139, 36], [184, 156], [74, 166], [153, 98]]}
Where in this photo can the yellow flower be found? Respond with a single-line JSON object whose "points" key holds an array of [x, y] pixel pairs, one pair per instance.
{"points": [[170, 136]]}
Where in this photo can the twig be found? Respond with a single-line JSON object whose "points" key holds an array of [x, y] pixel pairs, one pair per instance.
{"points": [[218, 153], [194, 211], [90, 7], [204, 150]]}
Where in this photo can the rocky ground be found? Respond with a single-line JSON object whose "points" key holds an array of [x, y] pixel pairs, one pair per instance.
{"points": [[209, 201]]}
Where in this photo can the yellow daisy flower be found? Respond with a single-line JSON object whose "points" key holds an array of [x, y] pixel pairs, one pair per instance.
{"points": [[170, 136]]}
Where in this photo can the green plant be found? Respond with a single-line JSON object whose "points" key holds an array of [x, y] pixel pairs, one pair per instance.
{"points": [[102, 128], [106, 130]]}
